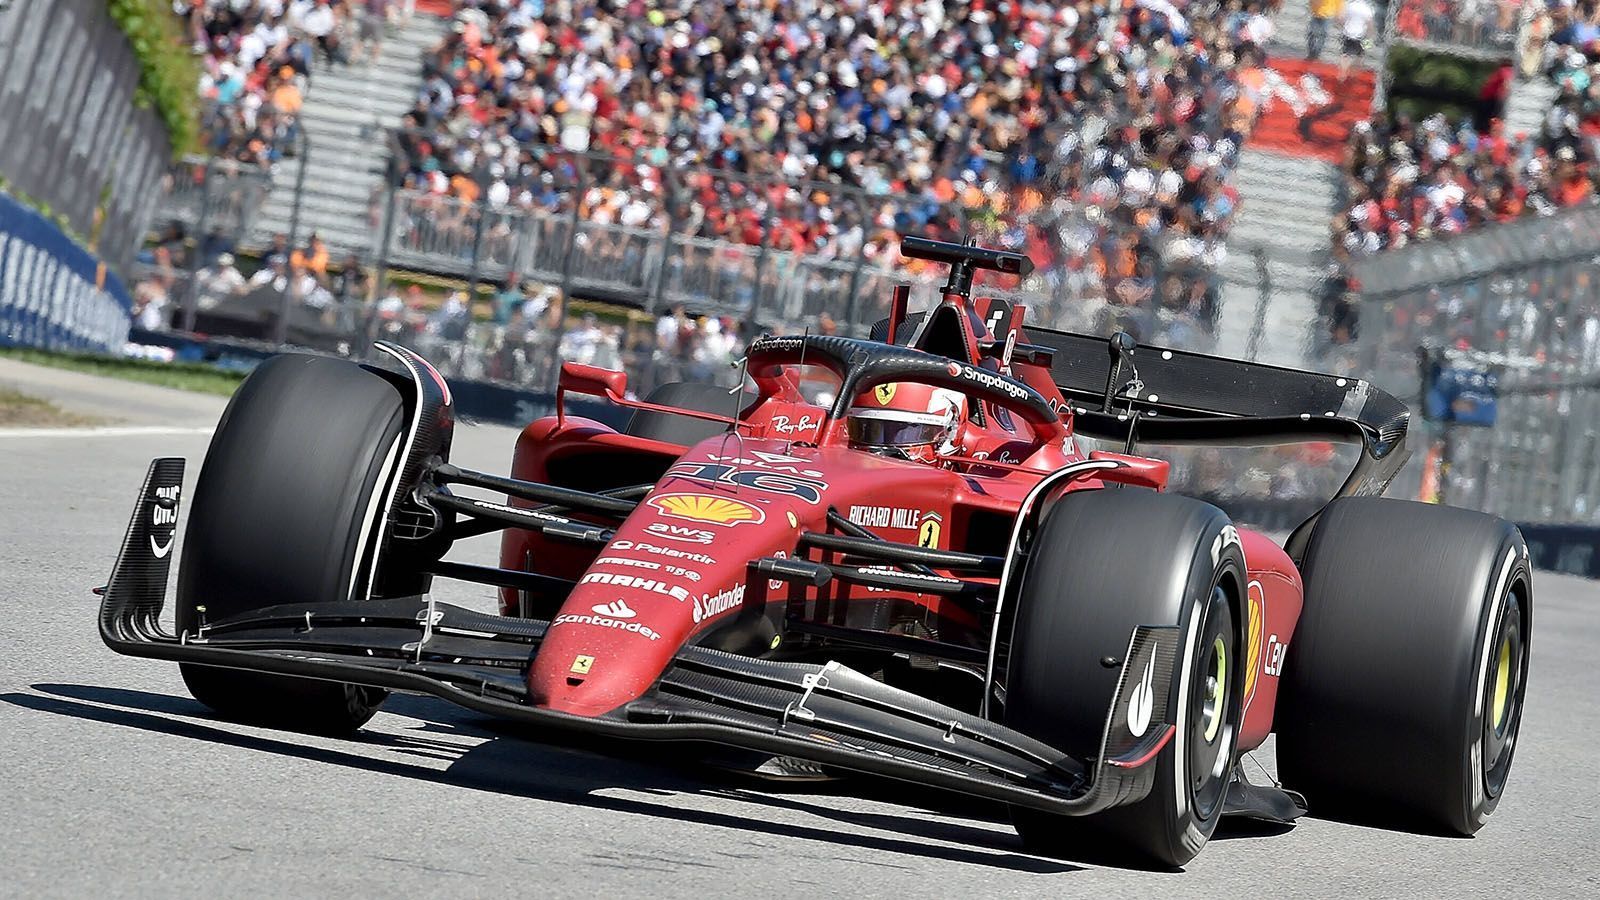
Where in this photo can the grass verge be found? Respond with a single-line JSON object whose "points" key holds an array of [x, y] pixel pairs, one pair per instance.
{"points": [[184, 376], [18, 410]]}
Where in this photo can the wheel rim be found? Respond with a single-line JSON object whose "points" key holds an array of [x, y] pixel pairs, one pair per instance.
{"points": [[1213, 711], [1502, 712]]}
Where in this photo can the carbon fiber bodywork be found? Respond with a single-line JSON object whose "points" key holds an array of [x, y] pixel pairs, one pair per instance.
{"points": [[827, 712]]}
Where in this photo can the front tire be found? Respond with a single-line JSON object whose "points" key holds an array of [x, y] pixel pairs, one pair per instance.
{"points": [[287, 509], [1104, 562], [1402, 693]]}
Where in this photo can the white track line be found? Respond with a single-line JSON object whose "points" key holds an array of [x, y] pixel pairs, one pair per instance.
{"points": [[103, 431]]}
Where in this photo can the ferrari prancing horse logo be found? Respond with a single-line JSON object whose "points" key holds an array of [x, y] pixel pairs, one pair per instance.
{"points": [[884, 393], [928, 534]]}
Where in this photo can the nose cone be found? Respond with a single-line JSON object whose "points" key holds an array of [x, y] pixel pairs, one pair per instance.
{"points": [[599, 656]]}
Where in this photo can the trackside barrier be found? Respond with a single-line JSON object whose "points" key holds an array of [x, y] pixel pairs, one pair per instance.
{"points": [[53, 294], [475, 400]]}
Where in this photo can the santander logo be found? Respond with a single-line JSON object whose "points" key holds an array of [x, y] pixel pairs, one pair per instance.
{"points": [[616, 609]]}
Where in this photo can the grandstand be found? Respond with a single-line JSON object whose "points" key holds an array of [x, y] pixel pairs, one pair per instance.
{"points": [[1172, 167]]}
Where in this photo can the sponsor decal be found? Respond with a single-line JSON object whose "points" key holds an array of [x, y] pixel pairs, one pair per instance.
{"points": [[786, 425], [985, 378], [1255, 612], [775, 345], [517, 511], [680, 533], [1228, 535], [164, 513], [1274, 658], [928, 533], [776, 584], [709, 605], [669, 552], [774, 462], [604, 621], [701, 508], [625, 561], [1141, 703], [886, 517], [637, 583], [615, 608], [581, 665], [806, 487], [884, 393], [794, 521]]}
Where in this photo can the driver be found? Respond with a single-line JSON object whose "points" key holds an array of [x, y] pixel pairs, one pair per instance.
{"points": [[907, 420]]}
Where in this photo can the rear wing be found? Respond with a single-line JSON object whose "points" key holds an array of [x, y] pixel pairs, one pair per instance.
{"points": [[1195, 398]]}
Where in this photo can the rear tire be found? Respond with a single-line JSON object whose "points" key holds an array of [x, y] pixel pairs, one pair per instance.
{"points": [[1403, 688], [1104, 562], [287, 510]]}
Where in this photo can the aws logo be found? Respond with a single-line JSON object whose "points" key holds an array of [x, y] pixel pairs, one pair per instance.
{"points": [[701, 508]]}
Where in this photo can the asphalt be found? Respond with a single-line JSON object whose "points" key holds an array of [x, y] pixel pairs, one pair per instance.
{"points": [[115, 783]]}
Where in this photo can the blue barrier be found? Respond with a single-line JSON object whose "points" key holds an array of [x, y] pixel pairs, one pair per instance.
{"points": [[54, 294]]}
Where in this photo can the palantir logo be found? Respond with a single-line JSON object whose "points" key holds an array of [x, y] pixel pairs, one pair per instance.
{"points": [[616, 609]]}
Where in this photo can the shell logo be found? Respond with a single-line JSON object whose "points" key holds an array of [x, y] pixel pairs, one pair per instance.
{"points": [[701, 508], [1256, 598]]}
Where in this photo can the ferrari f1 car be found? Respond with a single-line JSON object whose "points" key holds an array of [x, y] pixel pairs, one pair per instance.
{"points": [[957, 594]]}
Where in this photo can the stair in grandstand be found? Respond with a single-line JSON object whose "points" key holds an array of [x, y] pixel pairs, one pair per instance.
{"points": [[348, 111], [1529, 105], [1287, 204]]}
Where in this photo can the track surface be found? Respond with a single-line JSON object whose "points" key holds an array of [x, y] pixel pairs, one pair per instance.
{"points": [[116, 783]]}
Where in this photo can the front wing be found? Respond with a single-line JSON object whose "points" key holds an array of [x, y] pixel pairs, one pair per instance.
{"points": [[826, 713]]}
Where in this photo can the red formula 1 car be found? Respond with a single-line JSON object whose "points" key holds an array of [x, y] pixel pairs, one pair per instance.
{"points": [[923, 576]]}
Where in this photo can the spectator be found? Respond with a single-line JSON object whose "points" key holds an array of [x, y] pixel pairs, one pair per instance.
{"points": [[374, 15], [1322, 12], [912, 112], [314, 257], [1355, 23], [352, 287], [219, 282]]}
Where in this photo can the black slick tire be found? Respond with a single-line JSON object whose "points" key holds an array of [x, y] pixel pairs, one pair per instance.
{"points": [[286, 510], [1102, 563], [1403, 688]]}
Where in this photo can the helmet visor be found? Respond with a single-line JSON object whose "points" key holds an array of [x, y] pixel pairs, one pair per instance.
{"points": [[877, 432]]}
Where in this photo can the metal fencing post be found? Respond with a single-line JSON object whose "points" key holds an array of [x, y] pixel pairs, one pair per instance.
{"points": [[767, 229], [281, 333], [473, 275], [191, 293], [580, 176], [386, 238], [1259, 325]]}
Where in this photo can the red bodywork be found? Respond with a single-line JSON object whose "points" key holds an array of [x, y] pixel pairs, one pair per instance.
{"points": [[678, 565]]}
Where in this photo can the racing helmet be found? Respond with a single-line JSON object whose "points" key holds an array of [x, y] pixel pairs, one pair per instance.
{"points": [[916, 421]]}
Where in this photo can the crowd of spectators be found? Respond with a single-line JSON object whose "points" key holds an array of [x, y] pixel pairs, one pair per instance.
{"points": [[1415, 180], [174, 285], [256, 64], [1490, 24], [1098, 136]]}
